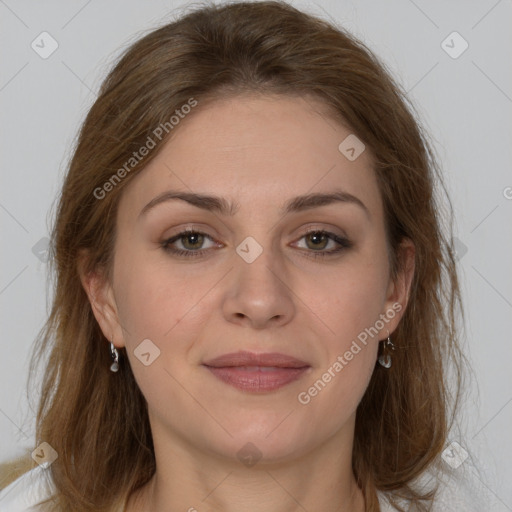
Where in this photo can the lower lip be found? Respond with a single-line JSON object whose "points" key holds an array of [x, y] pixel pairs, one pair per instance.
{"points": [[257, 379]]}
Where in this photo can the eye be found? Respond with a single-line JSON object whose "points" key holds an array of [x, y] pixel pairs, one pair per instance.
{"points": [[319, 240], [191, 242]]}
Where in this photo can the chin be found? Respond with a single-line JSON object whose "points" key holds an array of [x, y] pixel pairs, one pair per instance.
{"points": [[264, 440]]}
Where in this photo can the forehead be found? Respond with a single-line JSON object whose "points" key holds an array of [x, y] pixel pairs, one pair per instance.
{"points": [[258, 151]]}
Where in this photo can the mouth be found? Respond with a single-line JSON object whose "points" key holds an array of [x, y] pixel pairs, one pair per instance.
{"points": [[257, 373]]}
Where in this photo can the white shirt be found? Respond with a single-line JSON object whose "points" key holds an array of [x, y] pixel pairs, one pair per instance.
{"points": [[26, 492]]}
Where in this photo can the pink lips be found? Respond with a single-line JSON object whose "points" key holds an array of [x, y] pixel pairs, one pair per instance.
{"points": [[257, 372]]}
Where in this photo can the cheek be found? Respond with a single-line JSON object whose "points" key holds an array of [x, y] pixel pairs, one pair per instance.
{"points": [[157, 303], [153, 296], [349, 308], [350, 301], [330, 401]]}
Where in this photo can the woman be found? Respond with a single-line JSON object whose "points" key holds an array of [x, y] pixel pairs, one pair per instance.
{"points": [[255, 302]]}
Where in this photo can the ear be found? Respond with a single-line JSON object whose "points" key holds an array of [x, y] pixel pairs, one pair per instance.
{"points": [[100, 293], [398, 292]]}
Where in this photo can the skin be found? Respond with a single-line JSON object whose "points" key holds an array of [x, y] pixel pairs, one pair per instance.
{"points": [[258, 151]]}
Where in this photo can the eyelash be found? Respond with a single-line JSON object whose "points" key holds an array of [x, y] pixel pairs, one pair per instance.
{"points": [[344, 243]]}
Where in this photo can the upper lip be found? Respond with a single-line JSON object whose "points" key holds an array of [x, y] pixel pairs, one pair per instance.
{"points": [[244, 358]]}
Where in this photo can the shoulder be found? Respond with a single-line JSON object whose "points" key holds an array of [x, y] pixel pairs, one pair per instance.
{"points": [[25, 493], [384, 503], [456, 491]]}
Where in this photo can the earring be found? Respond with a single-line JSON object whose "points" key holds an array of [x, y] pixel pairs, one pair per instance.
{"points": [[385, 357], [114, 367]]}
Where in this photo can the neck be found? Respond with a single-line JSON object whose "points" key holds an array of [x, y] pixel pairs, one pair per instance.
{"points": [[189, 480]]}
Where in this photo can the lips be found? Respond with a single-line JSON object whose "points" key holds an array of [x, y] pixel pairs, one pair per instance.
{"points": [[257, 372], [249, 359]]}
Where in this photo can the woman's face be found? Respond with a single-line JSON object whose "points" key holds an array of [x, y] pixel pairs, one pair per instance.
{"points": [[255, 276]]}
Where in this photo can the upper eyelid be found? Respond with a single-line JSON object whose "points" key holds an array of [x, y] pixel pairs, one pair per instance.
{"points": [[314, 227]]}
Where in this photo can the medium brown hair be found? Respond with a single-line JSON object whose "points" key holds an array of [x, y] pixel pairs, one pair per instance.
{"points": [[97, 421]]}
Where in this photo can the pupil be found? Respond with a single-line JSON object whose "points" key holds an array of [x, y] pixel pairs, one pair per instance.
{"points": [[317, 237], [193, 238]]}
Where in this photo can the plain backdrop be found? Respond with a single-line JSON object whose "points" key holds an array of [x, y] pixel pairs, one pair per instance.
{"points": [[463, 95]]}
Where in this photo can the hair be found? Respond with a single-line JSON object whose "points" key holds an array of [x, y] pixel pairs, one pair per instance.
{"points": [[97, 421]]}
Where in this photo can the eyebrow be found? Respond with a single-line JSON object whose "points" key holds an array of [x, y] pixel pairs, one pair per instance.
{"points": [[225, 207]]}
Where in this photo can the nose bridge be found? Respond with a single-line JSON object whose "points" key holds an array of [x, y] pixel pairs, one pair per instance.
{"points": [[258, 292], [259, 264]]}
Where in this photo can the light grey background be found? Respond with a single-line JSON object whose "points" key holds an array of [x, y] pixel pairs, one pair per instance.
{"points": [[465, 103]]}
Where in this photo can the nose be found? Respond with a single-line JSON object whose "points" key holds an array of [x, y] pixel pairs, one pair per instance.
{"points": [[258, 294]]}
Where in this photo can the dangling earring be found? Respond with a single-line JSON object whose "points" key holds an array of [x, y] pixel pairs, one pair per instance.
{"points": [[385, 357], [114, 367]]}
